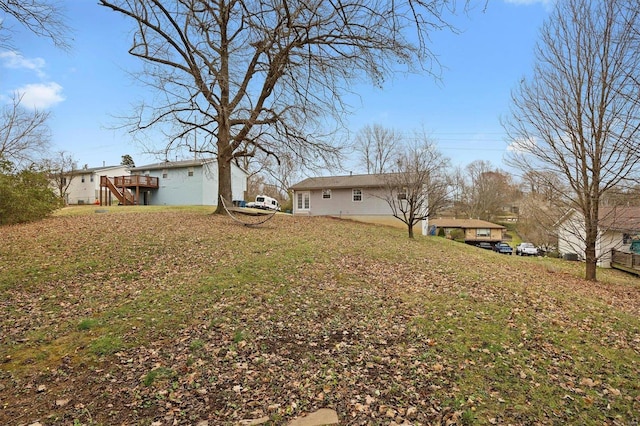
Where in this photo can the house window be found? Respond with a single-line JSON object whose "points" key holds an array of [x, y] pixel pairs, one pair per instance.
{"points": [[402, 194], [326, 194], [303, 200], [483, 232], [190, 172], [82, 179], [165, 174], [91, 178], [357, 195]]}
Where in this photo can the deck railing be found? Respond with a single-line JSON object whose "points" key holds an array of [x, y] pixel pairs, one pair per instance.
{"points": [[136, 180], [626, 261]]}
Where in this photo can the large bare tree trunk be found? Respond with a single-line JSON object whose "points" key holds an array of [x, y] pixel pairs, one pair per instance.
{"points": [[591, 261], [224, 158]]}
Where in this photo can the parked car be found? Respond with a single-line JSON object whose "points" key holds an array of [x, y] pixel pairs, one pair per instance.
{"points": [[486, 246], [526, 249], [503, 248]]}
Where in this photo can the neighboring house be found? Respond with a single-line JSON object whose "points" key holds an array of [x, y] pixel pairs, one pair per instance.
{"points": [[188, 182], [475, 230], [356, 197], [617, 227], [84, 186]]}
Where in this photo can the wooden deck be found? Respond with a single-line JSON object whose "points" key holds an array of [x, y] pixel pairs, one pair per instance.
{"points": [[628, 262], [125, 188]]}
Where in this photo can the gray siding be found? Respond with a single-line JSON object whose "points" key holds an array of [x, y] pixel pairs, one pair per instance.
{"points": [[341, 203]]}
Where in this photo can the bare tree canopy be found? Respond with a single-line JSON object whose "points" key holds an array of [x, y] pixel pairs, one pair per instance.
{"points": [[578, 116], [44, 18], [263, 76], [485, 190], [61, 170], [377, 147], [24, 134], [418, 184]]}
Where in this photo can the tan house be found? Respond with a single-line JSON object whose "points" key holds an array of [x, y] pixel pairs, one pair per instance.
{"points": [[475, 230]]}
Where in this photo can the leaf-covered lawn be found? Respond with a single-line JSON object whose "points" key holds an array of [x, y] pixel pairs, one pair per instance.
{"points": [[180, 317]]}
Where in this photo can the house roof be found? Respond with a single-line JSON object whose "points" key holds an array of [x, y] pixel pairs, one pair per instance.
{"points": [[463, 223], [620, 218], [174, 164], [612, 218], [335, 182], [96, 169]]}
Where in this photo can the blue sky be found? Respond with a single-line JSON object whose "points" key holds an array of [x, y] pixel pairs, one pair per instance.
{"points": [[86, 88]]}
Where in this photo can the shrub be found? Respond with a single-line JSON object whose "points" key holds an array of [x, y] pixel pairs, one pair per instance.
{"points": [[25, 196], [457, 234]]}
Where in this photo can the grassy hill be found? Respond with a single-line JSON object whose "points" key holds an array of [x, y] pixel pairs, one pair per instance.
{"points": [[175, 316]]}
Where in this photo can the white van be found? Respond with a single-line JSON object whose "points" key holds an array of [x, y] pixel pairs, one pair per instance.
{"points": [[264, 202]]}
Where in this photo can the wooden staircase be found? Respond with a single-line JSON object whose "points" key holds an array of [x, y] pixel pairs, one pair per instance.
{"points": [[123, 195], [126, 188]]}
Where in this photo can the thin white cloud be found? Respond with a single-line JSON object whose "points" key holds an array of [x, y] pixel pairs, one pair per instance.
{"points": [[40, 96], [14, 60], [522, 145]]}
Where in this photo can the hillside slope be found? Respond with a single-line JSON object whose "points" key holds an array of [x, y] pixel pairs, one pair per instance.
{"points": [[181, 317]]}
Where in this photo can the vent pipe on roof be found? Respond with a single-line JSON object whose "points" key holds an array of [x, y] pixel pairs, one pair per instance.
{"points": [[350, 173]]}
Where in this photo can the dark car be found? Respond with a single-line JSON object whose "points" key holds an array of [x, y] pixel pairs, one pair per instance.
{"points": [[503, 248], [486, 246]]}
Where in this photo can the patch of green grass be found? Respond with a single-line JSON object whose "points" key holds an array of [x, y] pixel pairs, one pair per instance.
{"points": [[106, 345], [160, 373], [239, 336], [196, 345], [83, 210], [88, 324]]}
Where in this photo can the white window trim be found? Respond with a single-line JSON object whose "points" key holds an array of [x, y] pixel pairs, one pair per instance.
{"points": [[300, 202], [353, 195], [478, 234]]}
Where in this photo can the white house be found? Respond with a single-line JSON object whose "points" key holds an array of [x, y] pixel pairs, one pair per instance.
{"points": [[189, 182], [616, 228], [84, 187]]}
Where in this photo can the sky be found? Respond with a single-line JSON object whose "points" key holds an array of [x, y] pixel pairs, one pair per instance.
{"points": [[87, 88]]}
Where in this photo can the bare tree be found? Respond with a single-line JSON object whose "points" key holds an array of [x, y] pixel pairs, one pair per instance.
{"points": [[61, 169], [541, 208], [377, 147], [418, 185], [485, 191], [578, 116], [264, 76], [41, 17], [24, 134], [537, 218]]}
